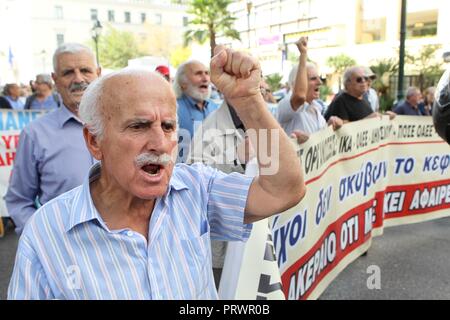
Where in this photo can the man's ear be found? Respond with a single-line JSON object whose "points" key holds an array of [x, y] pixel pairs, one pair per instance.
{"points": [[92, 144], [99, 71]]}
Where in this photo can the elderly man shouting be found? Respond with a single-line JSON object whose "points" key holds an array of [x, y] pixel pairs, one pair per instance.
{"points": [[139, 227]]}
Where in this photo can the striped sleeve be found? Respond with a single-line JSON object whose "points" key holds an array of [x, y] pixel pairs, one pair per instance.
{"points": [[227, 198], [28, 281]]}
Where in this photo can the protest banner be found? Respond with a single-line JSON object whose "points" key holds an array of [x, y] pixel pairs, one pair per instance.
{"points": [[11, 124], [366, 176]]}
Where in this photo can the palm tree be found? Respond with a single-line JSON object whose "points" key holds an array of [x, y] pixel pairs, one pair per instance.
{"points": [[211, 19], [340, 63]]}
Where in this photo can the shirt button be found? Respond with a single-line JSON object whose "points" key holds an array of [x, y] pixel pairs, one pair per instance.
{"points": [[130, 233]]}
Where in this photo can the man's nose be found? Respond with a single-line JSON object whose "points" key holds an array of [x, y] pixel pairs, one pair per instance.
{"points": [[159, 142], [78, 76]]}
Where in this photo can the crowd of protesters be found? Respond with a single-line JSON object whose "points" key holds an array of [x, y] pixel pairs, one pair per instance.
{"points": [[58, 150]]}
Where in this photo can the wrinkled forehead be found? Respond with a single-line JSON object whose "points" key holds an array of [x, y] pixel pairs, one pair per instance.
{"points": [[67, 60], [195, 67], [312, 71], [358, 73], [127, 92]]}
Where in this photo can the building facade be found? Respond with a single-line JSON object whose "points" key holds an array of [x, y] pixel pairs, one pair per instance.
{"points": [[31, 30], [367, 30]]}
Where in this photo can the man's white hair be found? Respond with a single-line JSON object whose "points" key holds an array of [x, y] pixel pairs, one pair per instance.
{"points": [[411, 91], [293, 73], [181, 78], [349, 72], [71, 48], [91, 106]]}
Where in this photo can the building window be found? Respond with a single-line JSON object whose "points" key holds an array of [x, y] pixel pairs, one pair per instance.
{"points": [[127, 17], [158, 19], [94, 14], [143, 17], [58, 12], [111, 17], [373, 30], [59, 40], [185, 21], [422, 24], [372, 21]]}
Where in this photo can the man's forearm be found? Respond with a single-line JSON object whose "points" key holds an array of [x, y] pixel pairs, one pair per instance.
{"points": [[298, 97], [270, 138]]}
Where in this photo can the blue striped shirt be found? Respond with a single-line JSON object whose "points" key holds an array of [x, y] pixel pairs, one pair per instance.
{"points": [[67, 252]]}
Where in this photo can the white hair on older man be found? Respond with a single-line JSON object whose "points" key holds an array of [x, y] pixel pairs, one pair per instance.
{"points": [[349, 72], [293, 73], [412, 91], [181, 78], [70, 48], [91, 108]]}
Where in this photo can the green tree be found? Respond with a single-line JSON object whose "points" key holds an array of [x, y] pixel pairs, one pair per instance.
{"points": [[339, 63], [116, 48], [384, 69], [274, 81], [180, 55], [211, 19], [426, 66]]}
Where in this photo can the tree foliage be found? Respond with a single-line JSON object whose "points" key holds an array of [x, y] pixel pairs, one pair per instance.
{"points": [[211, 19], [179, 55], [426, 65], [274, 81], [116, 48], [384, 69], [339, 63]]}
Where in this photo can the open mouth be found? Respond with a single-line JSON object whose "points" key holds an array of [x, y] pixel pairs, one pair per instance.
{"points": [[152, 169], [204, 87]]}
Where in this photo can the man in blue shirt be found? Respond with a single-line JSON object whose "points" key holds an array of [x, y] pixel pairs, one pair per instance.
{"points": [[11, 100], [140, 226], [192, 85], [411, 106], [52, 157], [43, 98]]}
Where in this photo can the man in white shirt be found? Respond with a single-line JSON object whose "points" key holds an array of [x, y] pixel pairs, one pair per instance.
{"points": [[371, 95], [298, 112]]}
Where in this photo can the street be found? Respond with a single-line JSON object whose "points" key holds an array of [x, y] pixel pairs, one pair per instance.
{"points": [[8, 247], [414, 261]]}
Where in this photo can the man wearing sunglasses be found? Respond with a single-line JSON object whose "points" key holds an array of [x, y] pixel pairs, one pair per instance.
{"points": [[350, 105]]}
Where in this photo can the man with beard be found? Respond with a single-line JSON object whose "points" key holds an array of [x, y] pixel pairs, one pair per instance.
{"points": [[192, 86], [52, 157], [299, 112], [140, 226]]}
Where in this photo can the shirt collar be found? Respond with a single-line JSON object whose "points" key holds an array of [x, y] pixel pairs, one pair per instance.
{"points": [[64, 115], [416, 108], [83, 208]]}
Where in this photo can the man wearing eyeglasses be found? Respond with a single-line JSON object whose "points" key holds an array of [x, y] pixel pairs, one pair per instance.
{"points": [[350, 105]]}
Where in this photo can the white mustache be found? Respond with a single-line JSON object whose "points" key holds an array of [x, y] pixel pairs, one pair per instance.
{"points": [[145, 159], [78, 86]]}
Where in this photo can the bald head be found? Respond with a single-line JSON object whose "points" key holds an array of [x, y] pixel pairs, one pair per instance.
{"points": [[116, 92]]}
